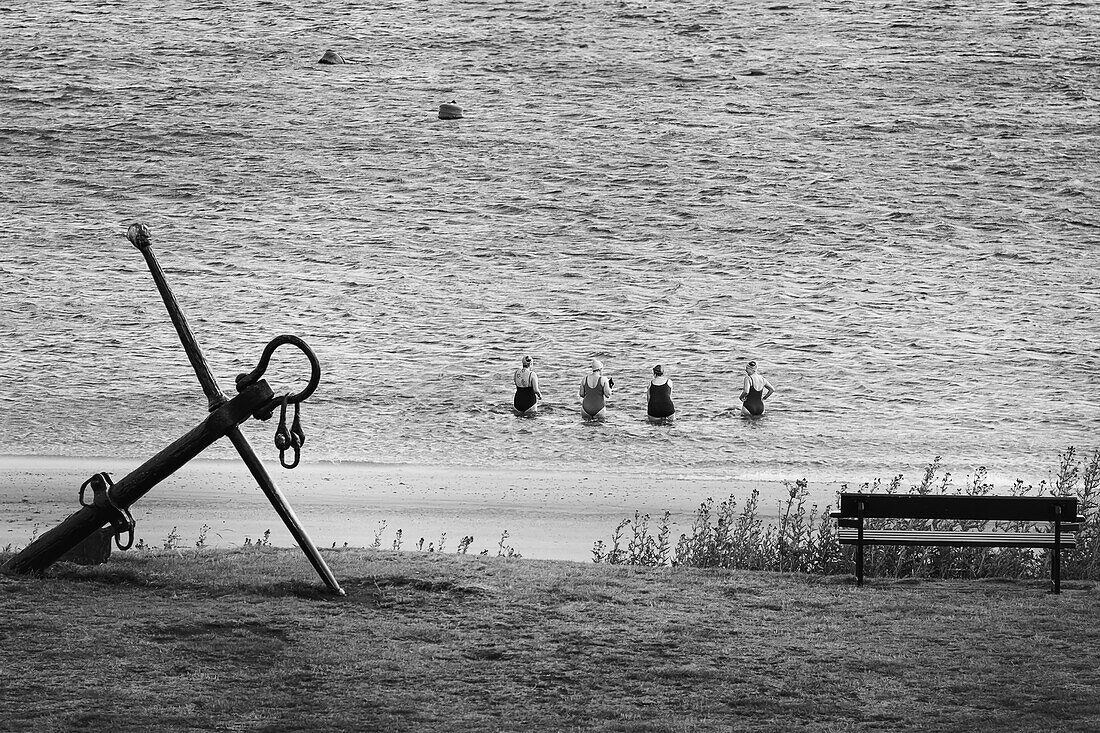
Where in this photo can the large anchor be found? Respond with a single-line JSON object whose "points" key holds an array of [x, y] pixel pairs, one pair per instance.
{"points": [[111, 501]]}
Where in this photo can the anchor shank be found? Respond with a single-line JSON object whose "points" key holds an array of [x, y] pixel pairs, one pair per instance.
{"points": [[48, 548]]}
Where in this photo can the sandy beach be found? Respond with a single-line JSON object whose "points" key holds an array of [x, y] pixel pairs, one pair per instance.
{"points": [[547, 514]]}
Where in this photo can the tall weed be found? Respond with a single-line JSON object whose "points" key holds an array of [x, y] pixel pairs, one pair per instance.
{"points": [[725, 536], [804, 540]]}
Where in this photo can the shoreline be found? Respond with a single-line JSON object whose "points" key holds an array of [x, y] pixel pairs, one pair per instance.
{"points": [[547, 514]]}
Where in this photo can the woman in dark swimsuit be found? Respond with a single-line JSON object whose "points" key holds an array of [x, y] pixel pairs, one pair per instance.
{"points": [[755, 390], [527, 388], [659, 397]]}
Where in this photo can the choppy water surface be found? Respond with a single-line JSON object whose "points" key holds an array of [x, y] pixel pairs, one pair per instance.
{"points": [[893, 210]]}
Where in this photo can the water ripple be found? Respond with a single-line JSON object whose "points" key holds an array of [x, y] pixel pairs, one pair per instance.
{"points": [[893, 210]]}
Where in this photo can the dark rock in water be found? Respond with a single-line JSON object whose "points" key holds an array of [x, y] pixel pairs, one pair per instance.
{"points": [[450, 111], [754, 72], [331, 57], [95, 550]]}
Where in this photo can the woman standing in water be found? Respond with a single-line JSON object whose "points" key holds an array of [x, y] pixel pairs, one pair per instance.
{"points": [[595, 389], [527, 389], [753, 392], [658, 393]]}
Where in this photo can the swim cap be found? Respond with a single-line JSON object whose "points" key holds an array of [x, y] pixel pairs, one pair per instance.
{"points": [[596, 365]]}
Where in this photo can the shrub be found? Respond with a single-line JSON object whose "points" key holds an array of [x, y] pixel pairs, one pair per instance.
{"points": [[805, 539], [726, 537]]}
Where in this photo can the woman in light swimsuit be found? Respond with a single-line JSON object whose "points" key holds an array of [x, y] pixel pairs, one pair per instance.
{"points": [[659, 407], [595, 389], [756, 389], [527, 389]]}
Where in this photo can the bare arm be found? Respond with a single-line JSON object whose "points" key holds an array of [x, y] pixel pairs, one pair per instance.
{"points": [[535, 385], [768, 387]]}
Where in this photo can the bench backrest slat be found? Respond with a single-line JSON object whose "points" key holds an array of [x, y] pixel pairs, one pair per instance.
{"points": [[938, 506]]}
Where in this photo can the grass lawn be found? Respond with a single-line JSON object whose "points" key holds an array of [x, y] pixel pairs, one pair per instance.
{"points": [[248, 640]]}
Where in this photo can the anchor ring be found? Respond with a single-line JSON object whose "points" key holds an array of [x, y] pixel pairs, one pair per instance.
{"points": [[244, 380]]}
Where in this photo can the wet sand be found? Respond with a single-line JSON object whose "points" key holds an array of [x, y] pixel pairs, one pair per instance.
{"points": [[547, 514]]}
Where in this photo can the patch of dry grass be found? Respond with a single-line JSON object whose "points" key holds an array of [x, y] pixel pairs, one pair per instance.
{"points": [[248, 640]]}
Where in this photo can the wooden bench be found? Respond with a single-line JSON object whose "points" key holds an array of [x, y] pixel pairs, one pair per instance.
{"points": [[1061, 512]]}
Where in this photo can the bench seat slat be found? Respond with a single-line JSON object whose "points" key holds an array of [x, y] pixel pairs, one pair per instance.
{"points": [[958, 506], [1070, 525], [1067, 527], [947, 538]]}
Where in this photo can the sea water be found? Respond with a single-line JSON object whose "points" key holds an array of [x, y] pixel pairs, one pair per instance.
{"points": [[891, 208]]}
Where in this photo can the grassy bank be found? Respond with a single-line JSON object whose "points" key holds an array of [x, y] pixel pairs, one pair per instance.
{"points": [[246, 640]]}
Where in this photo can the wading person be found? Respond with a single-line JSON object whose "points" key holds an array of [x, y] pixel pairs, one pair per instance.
{"points": [[595, 389], [658, 393], [755, 390], [527, 388]]}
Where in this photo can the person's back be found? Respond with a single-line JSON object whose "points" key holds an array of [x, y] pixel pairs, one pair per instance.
{"points": [[659, 396], [754, 399], [593, 400], [527, 387], [755, 390], [595, 389]]}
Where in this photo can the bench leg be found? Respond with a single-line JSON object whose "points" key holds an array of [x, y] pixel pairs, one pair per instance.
{"points": [[859, 564], [1056, 571], [1056, 558]]}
